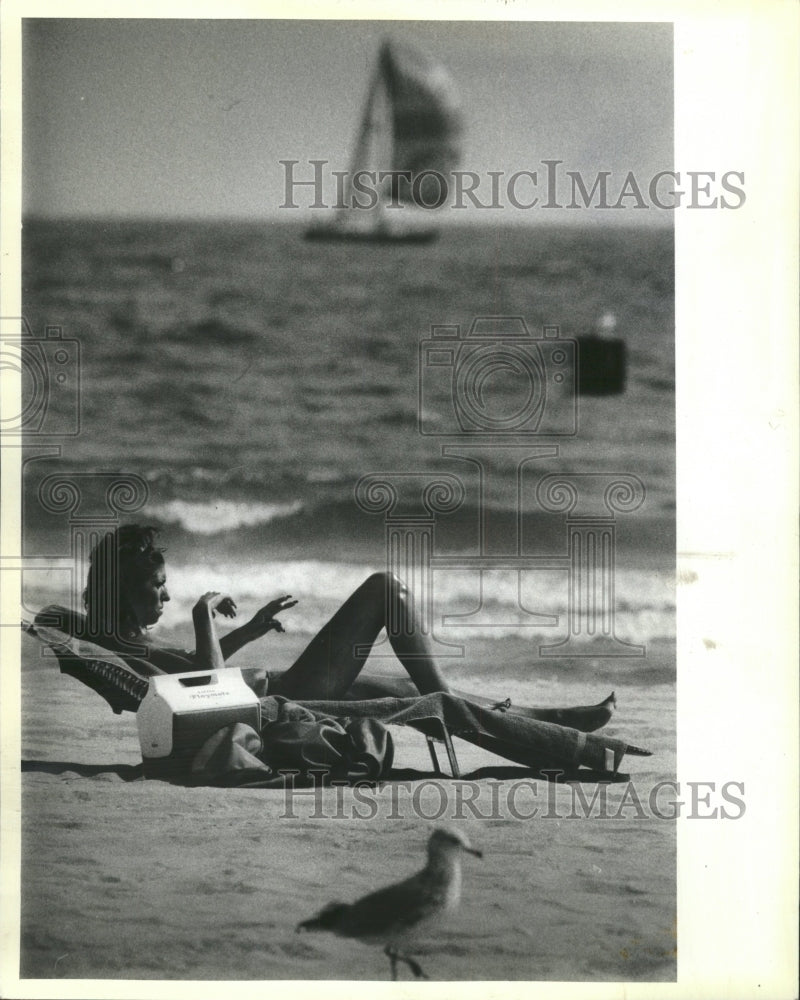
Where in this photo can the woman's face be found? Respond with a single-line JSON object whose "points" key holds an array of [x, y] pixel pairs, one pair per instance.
{"points": [[149, 597]]}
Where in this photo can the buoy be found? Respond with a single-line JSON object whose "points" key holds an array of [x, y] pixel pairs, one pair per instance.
{"points": [[602, 360]]}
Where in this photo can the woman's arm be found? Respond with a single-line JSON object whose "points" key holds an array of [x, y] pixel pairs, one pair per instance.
{"points": [[233, 641], [263, 621], [208, 655], [166, 661]]}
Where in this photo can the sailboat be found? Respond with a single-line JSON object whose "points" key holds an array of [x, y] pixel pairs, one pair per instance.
{"points": [[410, 123]]}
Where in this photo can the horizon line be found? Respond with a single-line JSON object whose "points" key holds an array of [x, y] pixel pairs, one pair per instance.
{"points": [[472, 221]]}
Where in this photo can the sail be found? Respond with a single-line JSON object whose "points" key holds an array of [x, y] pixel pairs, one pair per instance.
{"points": [[425, 115], [410, 124]]}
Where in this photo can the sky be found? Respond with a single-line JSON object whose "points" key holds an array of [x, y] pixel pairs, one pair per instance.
{"points": [[190, 118]]}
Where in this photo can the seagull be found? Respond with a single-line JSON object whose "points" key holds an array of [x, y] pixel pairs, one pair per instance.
{"points": [[397, 913]]}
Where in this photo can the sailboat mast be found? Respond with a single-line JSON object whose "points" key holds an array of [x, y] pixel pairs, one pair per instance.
{"points": [[360, 158]]}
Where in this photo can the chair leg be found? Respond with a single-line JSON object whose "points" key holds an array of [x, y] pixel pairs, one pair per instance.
{"points": [[451, 754], [434, 759]]}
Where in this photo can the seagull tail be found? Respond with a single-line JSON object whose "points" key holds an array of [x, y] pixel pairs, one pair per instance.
{"points": [[325, 920]]}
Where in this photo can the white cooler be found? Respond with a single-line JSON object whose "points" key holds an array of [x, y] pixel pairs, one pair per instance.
{"points": [[180, 711]]}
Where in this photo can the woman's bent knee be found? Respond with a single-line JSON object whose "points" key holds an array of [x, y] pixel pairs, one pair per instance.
{"points": [[385, 582]]}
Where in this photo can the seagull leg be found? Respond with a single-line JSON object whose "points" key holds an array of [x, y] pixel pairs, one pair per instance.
{"points": [[392, 955], [415, 967]]}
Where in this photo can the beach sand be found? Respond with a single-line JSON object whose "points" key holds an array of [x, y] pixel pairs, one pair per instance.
{"points": [[124, 878]]}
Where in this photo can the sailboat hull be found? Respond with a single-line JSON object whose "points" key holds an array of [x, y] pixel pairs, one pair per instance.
{"points": [[342, 234]]}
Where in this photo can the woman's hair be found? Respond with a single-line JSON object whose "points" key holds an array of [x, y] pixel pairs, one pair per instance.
{"points": [[119, 562]]}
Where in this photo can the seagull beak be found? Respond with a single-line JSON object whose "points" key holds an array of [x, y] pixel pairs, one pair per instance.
{"points": [[475, 851]]}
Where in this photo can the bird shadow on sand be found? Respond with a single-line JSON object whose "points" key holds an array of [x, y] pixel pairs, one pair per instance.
{"points": [[126, 772]]}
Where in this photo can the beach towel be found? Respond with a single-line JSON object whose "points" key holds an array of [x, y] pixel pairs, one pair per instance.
{"points": [[296, 744]]}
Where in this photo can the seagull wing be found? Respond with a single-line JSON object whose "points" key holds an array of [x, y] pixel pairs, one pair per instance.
{"points": [[393, 911]]}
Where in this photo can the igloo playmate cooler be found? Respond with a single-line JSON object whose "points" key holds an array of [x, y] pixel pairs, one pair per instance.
{"points": [[180, 711]]}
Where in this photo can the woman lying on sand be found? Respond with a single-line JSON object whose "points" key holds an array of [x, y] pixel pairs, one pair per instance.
{"points": [[328, 668]]}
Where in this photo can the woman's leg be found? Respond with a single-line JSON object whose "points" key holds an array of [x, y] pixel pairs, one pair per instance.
{"points": [[586, 718], [329, 665], [328, 668]]}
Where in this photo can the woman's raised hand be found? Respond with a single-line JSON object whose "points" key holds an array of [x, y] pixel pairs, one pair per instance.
{"points": [[208, 653], [264, 621], [214, 601]]}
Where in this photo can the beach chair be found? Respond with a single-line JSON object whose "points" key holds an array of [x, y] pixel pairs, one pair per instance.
{"points": [[123, 688], [119, 684]]}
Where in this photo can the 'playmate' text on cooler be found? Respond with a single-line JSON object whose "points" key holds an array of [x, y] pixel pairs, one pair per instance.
{"points": [[204, 694]]}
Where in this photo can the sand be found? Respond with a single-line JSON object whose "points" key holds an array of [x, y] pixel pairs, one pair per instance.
{"points": [[133, 879]]}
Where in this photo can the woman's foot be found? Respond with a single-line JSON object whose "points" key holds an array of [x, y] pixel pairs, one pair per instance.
{"points": [[585, 718]]}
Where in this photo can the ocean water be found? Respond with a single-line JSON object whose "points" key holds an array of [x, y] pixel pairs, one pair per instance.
{"points": [[251, 379]]}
